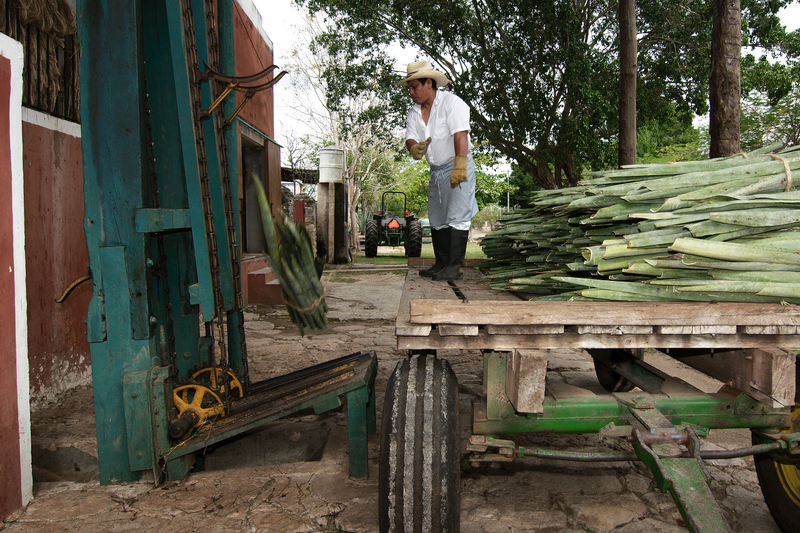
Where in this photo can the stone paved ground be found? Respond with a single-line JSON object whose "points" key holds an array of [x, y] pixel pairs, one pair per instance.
{"points": [[317, 496]]}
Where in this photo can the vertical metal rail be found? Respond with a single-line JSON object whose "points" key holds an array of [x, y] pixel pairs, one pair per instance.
{"points": [[235, 318], [205, 184]]}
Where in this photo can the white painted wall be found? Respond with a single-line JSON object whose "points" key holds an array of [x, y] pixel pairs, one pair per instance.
{"points": [[12, 50]]}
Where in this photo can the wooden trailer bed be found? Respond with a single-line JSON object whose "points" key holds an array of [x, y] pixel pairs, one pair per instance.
{"points": [[468, 314], [749, 346]]}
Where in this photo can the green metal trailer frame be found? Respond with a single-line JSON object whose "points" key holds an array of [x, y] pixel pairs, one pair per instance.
{"points": [[662, 420]]}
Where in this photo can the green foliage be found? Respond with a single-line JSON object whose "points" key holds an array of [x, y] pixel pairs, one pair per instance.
{"points": [[540, 76], [672, 139], [762, 124], [773, 80], [487, 215], [414, 179], [523, 186], [491, 185], [771, 96]]}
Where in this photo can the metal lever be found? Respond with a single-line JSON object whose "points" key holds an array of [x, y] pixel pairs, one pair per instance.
{"points": [[233, 84]]}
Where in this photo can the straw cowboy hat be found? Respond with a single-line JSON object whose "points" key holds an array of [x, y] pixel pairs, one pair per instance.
{"points": [[423, 69]]}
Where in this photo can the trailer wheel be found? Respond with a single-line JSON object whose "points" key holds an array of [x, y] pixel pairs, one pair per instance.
{"points": [[419, 465], [371, 238], [610, 379], [780, 484], [414, 244]]}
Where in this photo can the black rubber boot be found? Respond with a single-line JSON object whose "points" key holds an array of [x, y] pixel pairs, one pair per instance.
{"points": [[441, 249], [458, 249]]}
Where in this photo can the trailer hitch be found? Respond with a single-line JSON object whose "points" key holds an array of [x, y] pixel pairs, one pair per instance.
{"points": [[490, 449], [785, 446]]}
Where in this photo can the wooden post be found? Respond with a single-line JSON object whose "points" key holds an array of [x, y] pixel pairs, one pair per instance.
{"points": [[768, 375], [725, 79], [627, 82]]}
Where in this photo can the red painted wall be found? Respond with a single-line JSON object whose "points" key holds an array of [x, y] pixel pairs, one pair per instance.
{"points": [[252, 56], [10, 483], [56, 255]]}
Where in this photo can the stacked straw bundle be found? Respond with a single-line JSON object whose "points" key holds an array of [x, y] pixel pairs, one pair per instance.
{"points": [[725, 229], [292, 261]]}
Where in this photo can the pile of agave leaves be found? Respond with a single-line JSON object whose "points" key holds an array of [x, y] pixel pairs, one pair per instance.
{"points": [[724, 229]]}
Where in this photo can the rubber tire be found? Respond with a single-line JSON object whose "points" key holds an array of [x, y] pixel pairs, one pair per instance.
{"points": [[371, 238], [418, 483], [610, 379], [784, 506], [414, 242]]}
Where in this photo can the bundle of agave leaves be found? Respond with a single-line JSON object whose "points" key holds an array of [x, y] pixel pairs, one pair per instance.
{"points": [[724, 229], [291, 259]]}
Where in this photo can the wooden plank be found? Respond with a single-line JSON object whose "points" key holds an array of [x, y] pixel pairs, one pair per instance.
{"points": [[696, 330], [770, 330], [560, 390], [407, 329], [500, 312], [768, 375], [616, 330], [481, 294], [475, 287], [457, 329], [416, 287], [537, 329], [570, 339], [525, 380]]}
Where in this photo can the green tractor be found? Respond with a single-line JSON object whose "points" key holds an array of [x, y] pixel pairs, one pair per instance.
{"points": [[388, 228]]}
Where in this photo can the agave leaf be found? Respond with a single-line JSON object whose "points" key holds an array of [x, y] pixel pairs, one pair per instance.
{"points": [[757, 217], [729, 251]]}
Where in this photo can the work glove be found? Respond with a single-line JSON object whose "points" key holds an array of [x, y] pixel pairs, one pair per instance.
{"points": [[419, 149], [459, 172]]}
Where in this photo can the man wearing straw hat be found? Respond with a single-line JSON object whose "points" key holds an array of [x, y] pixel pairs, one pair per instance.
{"points": [[438, 128]]}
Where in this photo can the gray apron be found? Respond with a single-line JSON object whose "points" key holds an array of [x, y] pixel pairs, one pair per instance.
{"points": [[451, 206]]}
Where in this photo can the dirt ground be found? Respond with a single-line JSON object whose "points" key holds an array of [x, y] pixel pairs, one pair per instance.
{"points": [[296, 479]]}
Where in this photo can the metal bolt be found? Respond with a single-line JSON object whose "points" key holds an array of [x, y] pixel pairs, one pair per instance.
{"points": [[134, 395], [504, 415], [140, 454], [153, 321]]}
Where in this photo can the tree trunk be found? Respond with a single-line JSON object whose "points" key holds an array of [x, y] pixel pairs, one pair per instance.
{"points": [[541, 172], [725, 80], [355, 240], [627, 82]]}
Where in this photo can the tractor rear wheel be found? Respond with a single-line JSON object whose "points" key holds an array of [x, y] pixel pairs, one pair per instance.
{"points": [[371, 238], [419, 464], [414, 243], [780, 483]]}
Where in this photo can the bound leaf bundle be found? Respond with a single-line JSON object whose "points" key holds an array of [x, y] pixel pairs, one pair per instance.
{"points": [[291, 259], [725, 229]]}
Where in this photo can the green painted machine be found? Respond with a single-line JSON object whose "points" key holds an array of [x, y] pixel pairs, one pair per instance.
{"points": [[165, 322]]}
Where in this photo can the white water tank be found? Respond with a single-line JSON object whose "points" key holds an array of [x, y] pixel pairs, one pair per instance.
{"points": [[331, 165]]}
